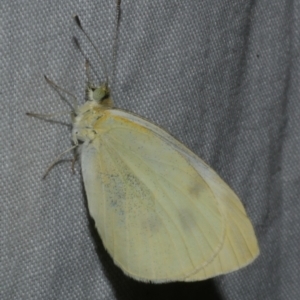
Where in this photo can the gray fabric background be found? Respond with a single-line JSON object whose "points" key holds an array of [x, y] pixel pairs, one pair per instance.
{"points": [[221, 76]]}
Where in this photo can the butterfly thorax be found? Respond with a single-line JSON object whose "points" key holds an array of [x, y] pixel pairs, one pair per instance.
{"points": [[89, 113]]}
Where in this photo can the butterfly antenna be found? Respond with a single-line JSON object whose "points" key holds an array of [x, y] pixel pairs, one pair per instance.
{"points": [[115, 45], [77, 20]]}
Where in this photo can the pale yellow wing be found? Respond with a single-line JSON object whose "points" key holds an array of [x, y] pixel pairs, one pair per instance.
{"points": [[161, 212]]}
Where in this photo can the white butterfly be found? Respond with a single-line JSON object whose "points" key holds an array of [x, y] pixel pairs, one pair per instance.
{"points": [[162, 213]]}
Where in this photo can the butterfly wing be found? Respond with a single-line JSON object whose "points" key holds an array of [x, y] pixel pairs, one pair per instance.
{"points": [[162, 213]]}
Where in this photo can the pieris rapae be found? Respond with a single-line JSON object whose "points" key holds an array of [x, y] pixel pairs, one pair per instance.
{"points": [[162, 213]]}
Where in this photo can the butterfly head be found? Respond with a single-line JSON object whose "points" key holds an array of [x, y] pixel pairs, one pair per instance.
{"points": [[100, 94]]}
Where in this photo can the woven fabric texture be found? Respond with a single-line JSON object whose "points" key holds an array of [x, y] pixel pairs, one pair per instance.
{"points": [[221, 76]]}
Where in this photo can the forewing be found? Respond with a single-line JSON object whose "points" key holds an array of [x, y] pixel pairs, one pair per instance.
{"points": [[161, 212]]}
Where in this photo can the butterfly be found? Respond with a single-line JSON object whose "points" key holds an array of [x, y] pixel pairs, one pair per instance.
{"points": [[162, 213]]}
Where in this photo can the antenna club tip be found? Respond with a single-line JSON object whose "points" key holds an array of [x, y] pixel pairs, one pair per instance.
{"points": [[77, 20], [47, 79]]}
